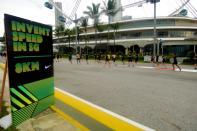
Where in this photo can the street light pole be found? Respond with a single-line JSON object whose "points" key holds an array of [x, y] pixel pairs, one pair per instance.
{"points": [[155, 33], [76, 33]]}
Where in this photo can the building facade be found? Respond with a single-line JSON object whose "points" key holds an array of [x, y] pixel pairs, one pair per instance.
{"points": [[174, 35], [118, 15], [58, 14]]}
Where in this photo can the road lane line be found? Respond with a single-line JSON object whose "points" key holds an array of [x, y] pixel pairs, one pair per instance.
{"points": [[69, 119]]}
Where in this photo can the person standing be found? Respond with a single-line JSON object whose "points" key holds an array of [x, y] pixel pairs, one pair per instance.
{"points": [[195, 61], [175, 63]]}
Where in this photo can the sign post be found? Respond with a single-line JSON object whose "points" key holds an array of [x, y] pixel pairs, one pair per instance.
{"points": [[3, 85], [30, 67]]}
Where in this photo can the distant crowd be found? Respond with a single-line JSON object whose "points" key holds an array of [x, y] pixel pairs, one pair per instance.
{"points": [[130, 59]]}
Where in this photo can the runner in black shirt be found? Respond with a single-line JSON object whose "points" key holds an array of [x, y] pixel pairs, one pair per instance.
{"points": [[152, 60], [136, 58], [123, 58], [195, 61], [70, 58], [130, 58], [164, 61], [157, 61], [99, 58], [87, 58], [175, 63]]}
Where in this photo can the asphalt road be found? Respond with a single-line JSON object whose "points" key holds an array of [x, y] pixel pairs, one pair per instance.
{"points": [[160, 99]]}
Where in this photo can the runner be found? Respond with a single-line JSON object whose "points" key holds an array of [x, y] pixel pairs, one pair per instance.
{"points": [[164, 61], [78, 58], [95, 57], [157, 61], [86, 59], [195, 61], [123, 58], [114, 59], [58, 56], [130, 60], [152, 60], [175, 63], [107, 59], [136, 58], [99, 58], [70, 58]]}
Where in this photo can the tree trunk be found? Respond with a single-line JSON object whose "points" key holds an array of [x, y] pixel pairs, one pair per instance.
{"points": [[69, 42], [86, 41], [114, 41], [108, 32]]}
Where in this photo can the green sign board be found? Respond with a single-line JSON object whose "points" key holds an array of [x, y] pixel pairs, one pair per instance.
{"points": [[30, 66]]}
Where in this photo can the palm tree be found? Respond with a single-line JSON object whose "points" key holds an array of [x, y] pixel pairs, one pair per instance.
{"points": [[93, 13], [85, 24], [79, 31], [101, 28], [115, 27], [67, 33], [59, 31], [109, 9]]}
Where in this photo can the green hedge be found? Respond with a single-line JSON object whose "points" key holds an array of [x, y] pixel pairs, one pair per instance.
{"points": [[188, 61]]}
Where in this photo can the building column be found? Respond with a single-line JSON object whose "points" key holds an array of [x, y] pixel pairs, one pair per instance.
{"points": [[127, 50], [142, 50]]}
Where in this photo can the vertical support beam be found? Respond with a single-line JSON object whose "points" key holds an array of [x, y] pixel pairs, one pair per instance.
{"points": [[133, 48], [3, 85]]}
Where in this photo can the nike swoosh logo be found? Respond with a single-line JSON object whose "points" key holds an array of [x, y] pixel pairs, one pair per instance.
{"points": [[46, 67]]}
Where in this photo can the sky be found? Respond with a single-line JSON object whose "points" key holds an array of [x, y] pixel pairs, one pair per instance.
{"points": [[36, 11]]}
